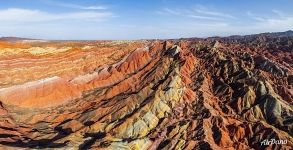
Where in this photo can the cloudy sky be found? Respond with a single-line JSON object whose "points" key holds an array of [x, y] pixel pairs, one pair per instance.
{"points": [[137, 19]]}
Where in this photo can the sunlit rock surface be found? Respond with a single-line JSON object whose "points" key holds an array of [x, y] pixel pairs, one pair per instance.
{"points": [[215, 93]]}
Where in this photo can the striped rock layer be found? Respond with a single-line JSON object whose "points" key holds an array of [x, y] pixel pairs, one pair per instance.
{"points": [[188, 94]]}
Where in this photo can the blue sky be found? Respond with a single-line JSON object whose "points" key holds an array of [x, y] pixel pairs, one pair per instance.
{"points": [[142, 19]]}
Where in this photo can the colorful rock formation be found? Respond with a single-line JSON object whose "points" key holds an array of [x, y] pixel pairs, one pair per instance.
{"points": [[215, 93]]}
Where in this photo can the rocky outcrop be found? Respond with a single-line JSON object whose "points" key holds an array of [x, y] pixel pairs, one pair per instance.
{"points": [[191, 94]]}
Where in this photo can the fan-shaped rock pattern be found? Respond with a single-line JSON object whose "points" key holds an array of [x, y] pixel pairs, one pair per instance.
{"points": [[176, 94]]}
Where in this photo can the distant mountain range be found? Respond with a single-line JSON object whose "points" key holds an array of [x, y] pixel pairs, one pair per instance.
{"points": [[288, 33]]}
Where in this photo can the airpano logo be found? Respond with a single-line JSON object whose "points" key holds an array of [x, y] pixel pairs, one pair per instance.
{"points": [[273, 141]]}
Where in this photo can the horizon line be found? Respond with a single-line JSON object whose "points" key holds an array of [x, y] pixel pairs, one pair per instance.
{"points": [[137, 39]]}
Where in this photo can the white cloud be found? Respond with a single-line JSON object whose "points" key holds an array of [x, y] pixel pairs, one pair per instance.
{"points": [[169, 11], [197, 21], [206, 21], [203, 17], [278, 23], [83, 7], [75, 6], [255, 17], [275, 23], [279, 13], [211, 12], [198, 12], [19, 15]]}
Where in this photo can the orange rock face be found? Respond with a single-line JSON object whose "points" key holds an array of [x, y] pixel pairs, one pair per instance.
{"points": [[223, 93]]}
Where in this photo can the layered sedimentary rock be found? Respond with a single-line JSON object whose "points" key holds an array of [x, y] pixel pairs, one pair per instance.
{"points": [[224, 93]]}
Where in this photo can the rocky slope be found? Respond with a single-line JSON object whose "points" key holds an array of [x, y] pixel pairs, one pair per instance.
{"points": [[215, 93]]}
